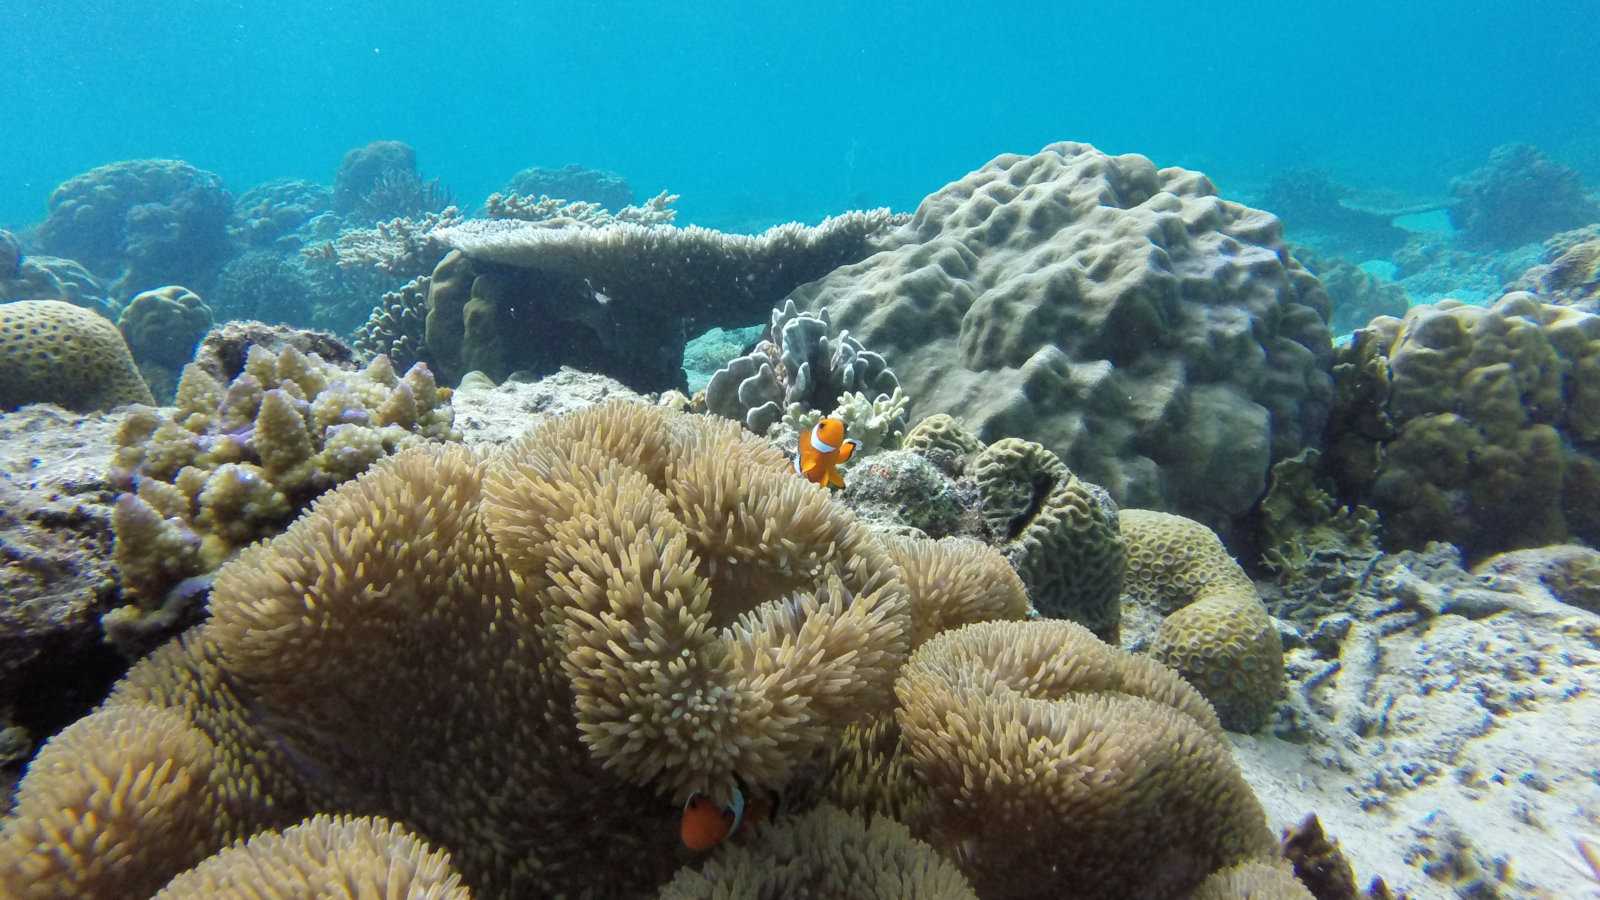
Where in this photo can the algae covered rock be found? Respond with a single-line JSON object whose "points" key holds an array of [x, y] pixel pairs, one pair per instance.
{"points": [[1157, 338], [54, 352]]}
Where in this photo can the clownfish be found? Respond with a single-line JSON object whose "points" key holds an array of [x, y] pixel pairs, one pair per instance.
{"points": [[707, 823], [822, 451]]}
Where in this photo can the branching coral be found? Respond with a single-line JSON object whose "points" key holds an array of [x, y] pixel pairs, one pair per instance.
{"points": [[1060, 766], [401, 247], [563, 213], [233, 463]]}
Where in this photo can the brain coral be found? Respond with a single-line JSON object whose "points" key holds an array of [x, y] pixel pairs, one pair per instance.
{"points": [[1157, 338], [531, 660], [54, 352], [1217, 633], [1059, 531], [1492, 417], [1061, 767]]}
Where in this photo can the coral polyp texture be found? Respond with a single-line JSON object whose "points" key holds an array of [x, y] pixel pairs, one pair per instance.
{"points": [[1216, 631], [54, 352], [1488, 428], [1059, 766], [620, 299], [235, 461], [1158, 338]]}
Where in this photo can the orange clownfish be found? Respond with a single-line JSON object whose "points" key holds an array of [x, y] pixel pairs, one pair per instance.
{"points": [[822, 450], [706, 823]]}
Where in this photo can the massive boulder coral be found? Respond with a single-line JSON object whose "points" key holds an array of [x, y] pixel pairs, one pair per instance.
{"points": [[1059, 766], [1488, 427], [162, 327], [620, 300], [1518, 197], [54, 352], [1157, 338], [235, 461], [628, 606], [37, 277], [801, 365], [141, 224], [1216, 632]]}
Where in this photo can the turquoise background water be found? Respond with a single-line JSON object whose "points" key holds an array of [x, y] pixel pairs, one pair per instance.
{"points": [[760, 112]]}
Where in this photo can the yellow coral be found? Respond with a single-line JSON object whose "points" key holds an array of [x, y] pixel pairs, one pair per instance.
{"points": [[54, 352]]}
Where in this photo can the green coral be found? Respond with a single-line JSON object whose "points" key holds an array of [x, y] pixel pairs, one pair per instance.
{"points": [[1217, 632], [234, 463], [1299, 519], [1059, 531], [54, 352]]}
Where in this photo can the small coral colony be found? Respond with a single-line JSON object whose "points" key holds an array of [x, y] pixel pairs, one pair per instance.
{"points": [[948, 575]]}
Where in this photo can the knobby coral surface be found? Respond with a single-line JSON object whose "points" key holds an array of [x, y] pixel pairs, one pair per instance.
{"points": [[54, 352]]}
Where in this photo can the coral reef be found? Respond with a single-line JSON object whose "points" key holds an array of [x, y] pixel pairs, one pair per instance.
{"points": [[380, 181], [800, 366], [262, 285], [1060, 532], [1157, 338], [36, 277], [825, 853], [141, 224], [1473, 425], [562, 213], [606, 189], [1314, 208], [162, 328], [226, 347], [54, 352], [1518, 197], [1356, 297], [944, 441], [1216, 632], [403, 247], [397, 326], [620, 300], [705, 354], [903, 492], [1569, 273], [270, 215], [237, 460], [1060, 766], [1300, 520]]}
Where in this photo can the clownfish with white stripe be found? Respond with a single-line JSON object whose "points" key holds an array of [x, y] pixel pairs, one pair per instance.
{"points": [[822, 450]]}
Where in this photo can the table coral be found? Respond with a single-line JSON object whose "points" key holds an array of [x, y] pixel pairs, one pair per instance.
{"points": [[1491, 419], [1216, 631], [54, 352], [234, 462], [1158, 338]]}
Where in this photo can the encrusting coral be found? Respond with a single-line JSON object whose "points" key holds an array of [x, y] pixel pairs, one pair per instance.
{"points": [[233, 463], [531, 660], [325, 856], [825, 853], [1058, 530], [1059, 766], [1216, 631], [54, 352]]}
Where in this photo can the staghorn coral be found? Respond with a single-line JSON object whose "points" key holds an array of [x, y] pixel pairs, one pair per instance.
{"points": [[1059, 531], [54, 352], [362, 858], [234, 462], [803, 368], [634, 293], [1061, 766], [1158, 338], [1488, 420], [1216, 631], [825, 853], [954, 582], [162, 327]]}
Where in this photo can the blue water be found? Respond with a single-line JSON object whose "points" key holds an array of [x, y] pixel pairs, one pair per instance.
{"points": [[763, 112]]}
